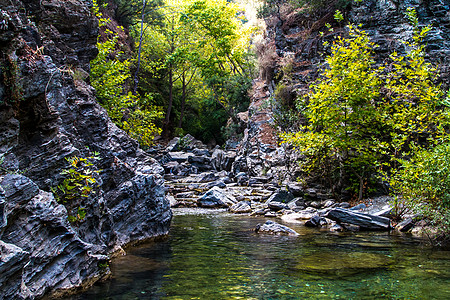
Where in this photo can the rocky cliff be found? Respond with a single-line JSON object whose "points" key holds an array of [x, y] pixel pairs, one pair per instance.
{"points": [[48, 113], [293, 52]]}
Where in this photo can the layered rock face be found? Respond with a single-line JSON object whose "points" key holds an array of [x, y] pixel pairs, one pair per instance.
{"points": [[48, 112], [294, 39]]}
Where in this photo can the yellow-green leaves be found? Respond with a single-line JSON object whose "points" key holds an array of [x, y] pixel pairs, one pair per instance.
{"points": [[362, 115], [109, 74]]}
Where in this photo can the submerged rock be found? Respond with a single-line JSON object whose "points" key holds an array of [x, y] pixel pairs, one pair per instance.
{"points": [[272, 227], [316, 221]]}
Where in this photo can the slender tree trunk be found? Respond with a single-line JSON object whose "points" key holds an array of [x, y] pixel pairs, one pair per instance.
{"points": [[136, 78], [170, 104], [183, 101], [171, 81]]}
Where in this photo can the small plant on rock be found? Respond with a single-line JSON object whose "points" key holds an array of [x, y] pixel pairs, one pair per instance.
{"points": [[79, 182]]}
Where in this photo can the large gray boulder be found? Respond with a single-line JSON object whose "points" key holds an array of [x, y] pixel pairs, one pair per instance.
{"points": [[216, 198], [364, 221], [280, 196]]}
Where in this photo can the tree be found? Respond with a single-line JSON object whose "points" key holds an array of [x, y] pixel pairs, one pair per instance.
{"points": [[196, 41], [225, 55], [362, 116], [109, 73]]}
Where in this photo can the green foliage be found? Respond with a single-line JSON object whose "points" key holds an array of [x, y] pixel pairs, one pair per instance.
{"points": [[128, 12], [196, 64], [342, 111], [79, 181], [362, 116], [135, 114], [338, 16], [423, 185]]}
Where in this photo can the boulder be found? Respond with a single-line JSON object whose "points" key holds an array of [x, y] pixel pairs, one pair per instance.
{"points": [[216, 198], [172, 201], [385, 212], [277, 206], [329, 203], [297, 204], [359, 207], [189, 143], [316, 221], [406, 225], [208, 177], [272, 227], [336, 228], [241, 207], [280, 196], [219, 183], [242, 178], [344, 205], [173, 145], [364, 221], [270, 214], [299, 217], [179, 157], [314, 204], [295, 189], [201, 152]]}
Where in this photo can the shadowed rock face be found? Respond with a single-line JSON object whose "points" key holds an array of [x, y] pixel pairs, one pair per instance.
{"points": [[45, 117]]}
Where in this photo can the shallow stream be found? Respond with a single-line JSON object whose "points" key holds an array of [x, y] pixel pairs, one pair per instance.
{"points": [[216, 255]]}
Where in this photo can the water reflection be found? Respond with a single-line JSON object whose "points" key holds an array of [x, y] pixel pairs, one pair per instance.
{"points": [[215, 255]]}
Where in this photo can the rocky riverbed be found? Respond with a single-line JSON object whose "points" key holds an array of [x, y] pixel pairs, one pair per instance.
{"points": [[198, 177]]}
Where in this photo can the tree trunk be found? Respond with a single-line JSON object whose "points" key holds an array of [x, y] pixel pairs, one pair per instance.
{"points": [[136, 79], [183, 101], [169, 106]]}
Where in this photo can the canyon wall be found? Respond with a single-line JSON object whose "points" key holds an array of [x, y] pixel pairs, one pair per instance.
{"points": [[48, 114]]}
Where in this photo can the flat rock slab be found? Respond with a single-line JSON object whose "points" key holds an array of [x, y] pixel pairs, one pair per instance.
{"points": [[179, 156], [272, 227], [364, 221]]}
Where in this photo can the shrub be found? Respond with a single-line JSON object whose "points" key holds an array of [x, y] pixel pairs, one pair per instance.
{"points": [[79, 181], [423, 185]]}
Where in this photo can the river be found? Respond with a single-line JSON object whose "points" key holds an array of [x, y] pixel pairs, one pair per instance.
{"points": [[211, 254]]}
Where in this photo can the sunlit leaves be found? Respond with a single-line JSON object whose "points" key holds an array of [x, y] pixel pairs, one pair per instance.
{"points": [[109, 74], [370, 115]]}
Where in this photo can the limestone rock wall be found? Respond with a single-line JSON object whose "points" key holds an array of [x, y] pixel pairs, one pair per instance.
{"points": [[48, 112]]}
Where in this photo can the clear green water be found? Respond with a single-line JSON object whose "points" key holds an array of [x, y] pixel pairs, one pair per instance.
{"points": [[215, 255]]}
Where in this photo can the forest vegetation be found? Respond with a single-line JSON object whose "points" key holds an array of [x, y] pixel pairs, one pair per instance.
{"points": [[189, 71], [364, 125]]}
